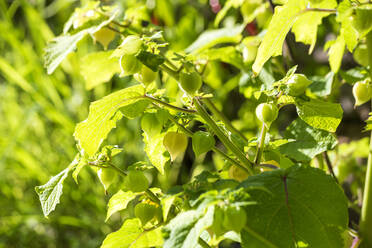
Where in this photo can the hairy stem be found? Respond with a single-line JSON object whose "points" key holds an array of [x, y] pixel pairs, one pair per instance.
{"points": [[167, 105], [365, 223], [329, 165], [219, 115], [221, 135], [261, 145], [121, 172], [202, 243]]}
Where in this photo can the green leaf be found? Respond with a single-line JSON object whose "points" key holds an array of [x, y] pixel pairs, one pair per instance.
{"points": [[283, 19], [151, 60], [308, 141], [132, 235], [310, 21], [336, 52], [305, 207], [50, 192], [227, 54], [211, 38], [103, 115], [98, 68], [57, 50], [155, 150], [119, 201], [184, 230], [349, 34], [322, 85], [354, 75], [322, 115]]}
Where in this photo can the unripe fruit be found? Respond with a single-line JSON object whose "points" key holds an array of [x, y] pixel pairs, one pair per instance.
{"points": [[129, 65], [217, 226], [175, 143], [202, 142], [136, 181], [150, 124], [145, 212], [190, 82], [107, 176], [237, 173], [145, 75], [131, 45], [267, 113], [234, 219], [362, 92], [297, 84], [104, 36]]}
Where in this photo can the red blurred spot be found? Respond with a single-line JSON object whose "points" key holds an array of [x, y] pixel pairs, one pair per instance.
{"points": [[251, 28], [215, 5], [154, 20]]}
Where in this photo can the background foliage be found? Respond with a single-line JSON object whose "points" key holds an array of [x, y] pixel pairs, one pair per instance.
{"points": [[39, 113]]}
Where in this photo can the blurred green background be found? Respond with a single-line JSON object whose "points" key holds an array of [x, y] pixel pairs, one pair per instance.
{"points": [[38, 113]]}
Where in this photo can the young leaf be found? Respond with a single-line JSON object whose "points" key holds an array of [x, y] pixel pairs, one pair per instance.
{"points": [[98, 68], [336, 52], [57, 50], [132, 235], [310, 21], [151, 60], [322, 85], [282, 21], [322, 115], [50, 192], [103, 115], [308, 141], [119, 201], [184, 230], [305, 207]]}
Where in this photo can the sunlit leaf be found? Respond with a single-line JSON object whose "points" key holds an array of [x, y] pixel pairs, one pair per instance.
{"points": [[104, 113]]}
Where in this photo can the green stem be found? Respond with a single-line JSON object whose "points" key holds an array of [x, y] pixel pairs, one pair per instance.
{"points": [[170, 71], [366, 216], [261, 145], [152, 196], [220, 134], [202, 243], [329, 166], [153, 99], [223, 118], [121, 172]]}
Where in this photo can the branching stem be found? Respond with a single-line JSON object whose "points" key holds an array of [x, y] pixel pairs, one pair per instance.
{"points": [[221, 135], [223, 118], [261, 145], [153, 99]]}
